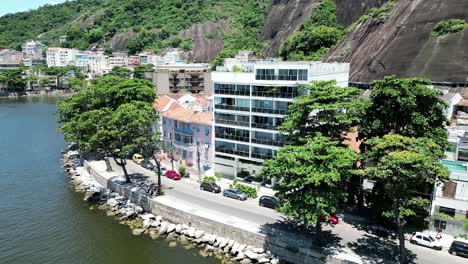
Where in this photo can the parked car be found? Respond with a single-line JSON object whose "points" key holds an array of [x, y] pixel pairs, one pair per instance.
{"points": [[147, 165], [137, 158], [459, 248], [332, 219], [268, 201], [381, 231], [235, 194], [210, 186], [172, 174], [426, 240], [248, 179]]}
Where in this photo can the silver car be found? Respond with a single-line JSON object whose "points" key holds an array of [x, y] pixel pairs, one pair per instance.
{"points": [[235, 194]]}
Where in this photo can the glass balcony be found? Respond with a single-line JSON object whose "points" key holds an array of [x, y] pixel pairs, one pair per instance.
{"points": [[185, 131], [232, 107], [232, 122], [269, 110], [223, 149], [262, 156], [270, 142], [232, 137]]}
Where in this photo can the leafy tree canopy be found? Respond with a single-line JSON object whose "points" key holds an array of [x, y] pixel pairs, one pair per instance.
{"points": [[310, 177], [325, 108], [407, 107]]}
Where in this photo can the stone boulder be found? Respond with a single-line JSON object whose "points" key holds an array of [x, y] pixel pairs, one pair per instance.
{"points": [[147, 223], [224, 243], [241, 247], [170, 228], [212, 239], [148, 216], [178, 228], [191, 232], [138, 209], [219, 240], [251, 255], [259, 250], [159, 218], [112, 202], [263, 260], [163, 228], [155, 223], [199, 233], [240, 256], [138, 231], [234, 248]]}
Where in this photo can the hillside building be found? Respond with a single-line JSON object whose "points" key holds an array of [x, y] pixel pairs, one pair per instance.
{"points": [[180, 77]]}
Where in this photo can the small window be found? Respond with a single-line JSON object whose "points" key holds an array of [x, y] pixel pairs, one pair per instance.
{"points": [[190, 154], [427, 239], [418, 237], [207, 130]]}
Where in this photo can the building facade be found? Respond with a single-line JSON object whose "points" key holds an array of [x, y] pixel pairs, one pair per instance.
{"points": [[33, 50], [249, 106], [174, 78], [60, 57]]}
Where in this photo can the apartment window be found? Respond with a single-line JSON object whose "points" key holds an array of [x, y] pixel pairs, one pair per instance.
{"points": [[265, 74], [302, 75], [184, 154], [164, 121], [446, 210], [190, 154], [207, 130]]}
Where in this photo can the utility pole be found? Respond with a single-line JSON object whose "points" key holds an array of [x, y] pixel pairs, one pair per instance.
{"points": [[172, 151]]}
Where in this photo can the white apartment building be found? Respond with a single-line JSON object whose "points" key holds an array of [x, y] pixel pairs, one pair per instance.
{"points": [[249, 106], [33, 50], [60, 57]]}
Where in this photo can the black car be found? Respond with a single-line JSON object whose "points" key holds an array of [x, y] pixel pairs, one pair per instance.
{"points": [[268, 201], [210, 187], [381, 231], [248, 179], [459, 248], [147, 165]]}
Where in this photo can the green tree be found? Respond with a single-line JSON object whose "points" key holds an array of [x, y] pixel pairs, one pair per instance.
{"points": [[402, 166], [325, 108], [43, 83], [310, 178], [406, 107], [139, 71], [114, 117], [120, 72], [12, 80]]}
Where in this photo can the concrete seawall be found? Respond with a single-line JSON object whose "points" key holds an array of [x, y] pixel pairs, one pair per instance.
{"points": [[293, 251]]}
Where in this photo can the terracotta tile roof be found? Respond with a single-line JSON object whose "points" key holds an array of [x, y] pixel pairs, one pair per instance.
{"points": [[463, 102], [177, 112], [202, 100], [162, 102]]}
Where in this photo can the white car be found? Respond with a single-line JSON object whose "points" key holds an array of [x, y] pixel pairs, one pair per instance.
{"points": [[425, 240]]}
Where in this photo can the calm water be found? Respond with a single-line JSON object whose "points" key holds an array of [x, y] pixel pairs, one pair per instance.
{"points": [[42, 220]]}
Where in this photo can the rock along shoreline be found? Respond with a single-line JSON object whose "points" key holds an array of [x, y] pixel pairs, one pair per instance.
{"points": [[143, 223]]}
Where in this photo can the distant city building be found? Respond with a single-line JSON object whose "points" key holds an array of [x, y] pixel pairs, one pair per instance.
{"points": [[250, 105], [9, 55], [187, 128], [60, 57], [64, 39], [33, 50], [174, 78]]}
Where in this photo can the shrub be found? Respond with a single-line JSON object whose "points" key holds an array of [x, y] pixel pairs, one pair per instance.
{"points": [[443, 215], [219, 176], [209, 179], [182, 170], [449, 26], [250, 191], [243, 174]]}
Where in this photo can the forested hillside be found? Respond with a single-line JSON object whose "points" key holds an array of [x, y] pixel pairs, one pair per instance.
{"points": [[378, 37], [136, 25]]}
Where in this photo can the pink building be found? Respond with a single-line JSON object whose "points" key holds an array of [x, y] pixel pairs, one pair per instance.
{"points": [[188, 131]]}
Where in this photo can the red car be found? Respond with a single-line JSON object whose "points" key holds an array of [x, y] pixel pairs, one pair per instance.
{"points": [[333, 219], [172, 174]]}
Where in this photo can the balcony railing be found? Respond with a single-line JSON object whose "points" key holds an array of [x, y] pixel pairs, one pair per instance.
{"points": [[264, 126], [269, 110], [232, 107], [274, 94], [231, 151], [232, 137], [232, 92], [185, 131], [232, 122], [262, 156], [269, 142], [183, 144]]}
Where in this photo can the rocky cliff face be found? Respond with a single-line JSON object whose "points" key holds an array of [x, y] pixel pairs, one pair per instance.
{"points": [[404, 46], [283, 18], [348, 11]]}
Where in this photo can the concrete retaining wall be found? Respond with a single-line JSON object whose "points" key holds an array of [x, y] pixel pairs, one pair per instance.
{"points": [[279, 247]]}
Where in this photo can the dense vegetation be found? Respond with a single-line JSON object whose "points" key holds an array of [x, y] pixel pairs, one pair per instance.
{"points": [[316, 36], [155, 24], [449, 26]]}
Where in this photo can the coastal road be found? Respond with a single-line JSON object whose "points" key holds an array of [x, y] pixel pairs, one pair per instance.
{"points": [[350, 239]]}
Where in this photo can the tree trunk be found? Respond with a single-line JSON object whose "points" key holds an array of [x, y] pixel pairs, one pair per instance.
{"points": [[122, 164], [401, 236], [318, 231], [108, 164], [158, 165]]}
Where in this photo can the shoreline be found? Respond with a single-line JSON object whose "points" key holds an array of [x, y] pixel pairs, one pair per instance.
{"points": [[142, 222], [31, 94]]}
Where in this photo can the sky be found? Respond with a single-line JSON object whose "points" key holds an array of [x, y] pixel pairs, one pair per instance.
{"points": [[13, 6]]}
